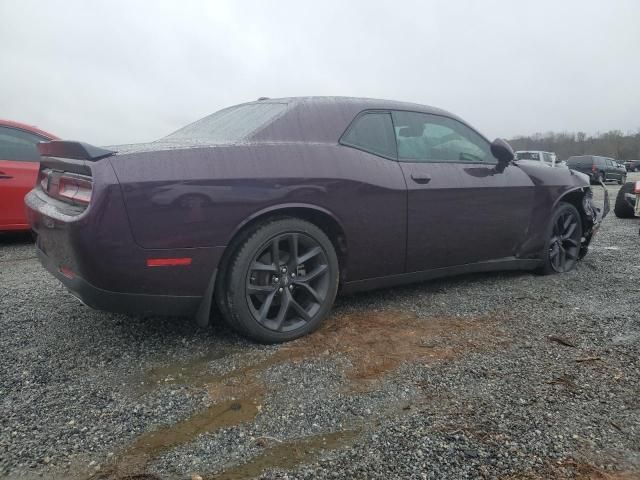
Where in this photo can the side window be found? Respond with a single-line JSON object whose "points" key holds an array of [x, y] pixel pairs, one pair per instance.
{"points": [[19, 145], [373, 133], [431, 138]]}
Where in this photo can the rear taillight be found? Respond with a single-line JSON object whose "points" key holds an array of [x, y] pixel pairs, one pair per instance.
{"points": [[75, 188], [43, 180], [636, 188], [66, 186], [594, 168]]}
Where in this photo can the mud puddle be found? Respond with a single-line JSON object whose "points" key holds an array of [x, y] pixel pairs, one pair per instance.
{"points": [[194, 373], [287, 455], [375, 343]]}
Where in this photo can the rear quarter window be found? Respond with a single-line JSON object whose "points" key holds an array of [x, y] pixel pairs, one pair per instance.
{"points": [[373, 133]]}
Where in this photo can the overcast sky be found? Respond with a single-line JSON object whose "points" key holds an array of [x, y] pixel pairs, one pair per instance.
{"points": [[109, 72]]}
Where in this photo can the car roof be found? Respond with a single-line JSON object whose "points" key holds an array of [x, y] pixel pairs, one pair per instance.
{"points": [[357, 104], [28, 128], [324, 119]]}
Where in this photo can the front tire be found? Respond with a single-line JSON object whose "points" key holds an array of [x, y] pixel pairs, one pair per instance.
{"points": [[564, 234], [282, 281]]}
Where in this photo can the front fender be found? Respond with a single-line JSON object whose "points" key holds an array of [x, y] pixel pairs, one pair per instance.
{"points": [[591, 214], [553, 185]]}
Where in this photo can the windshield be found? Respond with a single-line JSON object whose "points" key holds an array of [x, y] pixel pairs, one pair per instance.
{"points": [[229, 125], [527, 156]]}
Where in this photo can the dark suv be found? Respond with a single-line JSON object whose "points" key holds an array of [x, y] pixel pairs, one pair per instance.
{"points": [[632, 165], [599, 169]]}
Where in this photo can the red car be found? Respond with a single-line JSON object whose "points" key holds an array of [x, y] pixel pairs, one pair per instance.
{"points": [[19, 165]]}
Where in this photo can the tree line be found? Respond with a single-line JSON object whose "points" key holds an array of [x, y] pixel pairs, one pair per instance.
{"points": [[614, 144]]}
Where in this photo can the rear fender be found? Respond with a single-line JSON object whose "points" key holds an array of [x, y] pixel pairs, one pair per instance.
{"points": [[274, 209]]}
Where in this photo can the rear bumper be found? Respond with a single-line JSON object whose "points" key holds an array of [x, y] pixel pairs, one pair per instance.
{"points": [[129, 303], [94, 255]]}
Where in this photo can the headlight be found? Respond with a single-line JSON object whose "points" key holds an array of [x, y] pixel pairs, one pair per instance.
{"points": [[587, 203]]}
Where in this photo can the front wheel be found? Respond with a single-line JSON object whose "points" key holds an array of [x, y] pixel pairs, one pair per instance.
{"points": [[622, 180], [282, 281], [564, 235]]}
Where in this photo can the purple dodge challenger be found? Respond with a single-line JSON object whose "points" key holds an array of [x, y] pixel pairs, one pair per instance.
{"points": [[269, 208]]}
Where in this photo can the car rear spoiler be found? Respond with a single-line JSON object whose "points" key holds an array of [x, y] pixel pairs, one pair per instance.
{"points": [[75, 150]]}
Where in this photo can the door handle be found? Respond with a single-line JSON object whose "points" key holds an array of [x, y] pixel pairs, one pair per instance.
{"points": [[420, 178], [3, 176]]}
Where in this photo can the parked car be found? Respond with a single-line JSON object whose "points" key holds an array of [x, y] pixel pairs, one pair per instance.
{"points": [[627, 205], [19, 165], [632, 165], [622, 169], [356, 194], [546, 158], [599, 169]]}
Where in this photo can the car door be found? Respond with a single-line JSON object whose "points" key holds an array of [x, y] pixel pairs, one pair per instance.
{"points": [[615, 174], [616, 169], [376, 209], [602, 167], [19, 165], [608, 168], [462, 208]]}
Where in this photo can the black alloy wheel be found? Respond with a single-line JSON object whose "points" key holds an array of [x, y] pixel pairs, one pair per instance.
{"points": [[563, 245], [281, 281], [287, 282]]}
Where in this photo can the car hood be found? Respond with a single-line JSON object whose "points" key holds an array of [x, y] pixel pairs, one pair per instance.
{"points": [[542, 174]]}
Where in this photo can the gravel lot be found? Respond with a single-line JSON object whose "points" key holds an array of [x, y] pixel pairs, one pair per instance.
{"points": [[508, 375]]}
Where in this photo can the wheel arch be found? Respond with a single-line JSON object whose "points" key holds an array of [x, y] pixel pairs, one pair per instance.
{"points": [[320, 217], [573, 196]]}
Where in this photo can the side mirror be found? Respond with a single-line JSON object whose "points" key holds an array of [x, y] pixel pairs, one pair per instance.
{"points": [[502, 151]]}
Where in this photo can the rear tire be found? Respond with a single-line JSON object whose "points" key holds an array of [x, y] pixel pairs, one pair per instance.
{"points": [[564, 234], [281, 281], [622, 180], [622, 209]]}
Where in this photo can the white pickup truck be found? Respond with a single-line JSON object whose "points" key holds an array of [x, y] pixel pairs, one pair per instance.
{"points": [[548, 158]]}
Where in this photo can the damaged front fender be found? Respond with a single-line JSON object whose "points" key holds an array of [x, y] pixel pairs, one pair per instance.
{"points": [[592, 217]]}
